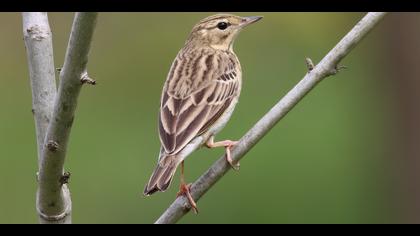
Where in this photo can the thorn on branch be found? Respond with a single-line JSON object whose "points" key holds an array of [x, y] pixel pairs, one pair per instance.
{"points": [[52, 145], [33, 111], [65, 178], [337, 69], [37, 176], [309, 64], [87, 80]]}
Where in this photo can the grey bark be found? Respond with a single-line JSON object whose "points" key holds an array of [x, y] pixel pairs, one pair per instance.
{"points": [[39, 49], [53, 196]]}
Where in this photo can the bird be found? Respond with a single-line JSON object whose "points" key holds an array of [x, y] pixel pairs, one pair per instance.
{"points": [[199, 95]]}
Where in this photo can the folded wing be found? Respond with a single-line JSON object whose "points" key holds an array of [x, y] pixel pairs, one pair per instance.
{"points": [[182, 118]]}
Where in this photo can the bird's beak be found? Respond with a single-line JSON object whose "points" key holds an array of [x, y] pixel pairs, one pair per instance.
{"points": [[249, 20]]}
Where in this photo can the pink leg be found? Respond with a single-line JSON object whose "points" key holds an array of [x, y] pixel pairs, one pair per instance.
{"points": [[184, 189], [228, 144]]}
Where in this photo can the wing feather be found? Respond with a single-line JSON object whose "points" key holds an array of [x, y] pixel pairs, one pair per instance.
{"points": [[185, 115]]}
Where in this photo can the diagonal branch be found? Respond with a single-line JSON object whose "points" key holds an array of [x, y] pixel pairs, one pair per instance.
{"points": [[328, 66], [53, 197]]}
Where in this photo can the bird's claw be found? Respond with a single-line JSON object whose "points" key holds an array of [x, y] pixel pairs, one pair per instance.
{"points": [[184, 190], [229, 159]]}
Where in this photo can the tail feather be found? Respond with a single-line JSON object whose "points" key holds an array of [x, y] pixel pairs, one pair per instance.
{"points": [[162, 175]]}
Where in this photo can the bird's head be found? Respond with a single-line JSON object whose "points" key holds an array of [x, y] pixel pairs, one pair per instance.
{"points": [[219, 31]]}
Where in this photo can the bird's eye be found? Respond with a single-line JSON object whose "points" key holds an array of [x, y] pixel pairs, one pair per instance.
{"points": [[222, 25]]}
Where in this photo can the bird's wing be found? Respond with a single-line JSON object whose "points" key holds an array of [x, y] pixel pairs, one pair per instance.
{"points": [[183, 118]]}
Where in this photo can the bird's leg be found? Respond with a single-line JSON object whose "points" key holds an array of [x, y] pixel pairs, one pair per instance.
{"points": [[184, 189], [228, 144]]}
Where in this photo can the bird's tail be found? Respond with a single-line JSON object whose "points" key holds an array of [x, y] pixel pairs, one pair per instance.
{"points": [[162, 175]]}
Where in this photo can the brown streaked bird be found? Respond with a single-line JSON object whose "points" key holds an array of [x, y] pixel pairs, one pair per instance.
{"points": [[199, 96]]}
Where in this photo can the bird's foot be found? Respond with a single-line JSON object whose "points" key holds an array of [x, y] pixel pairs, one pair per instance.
{"points": [[184, 190], [228, 144], [234, 166]]}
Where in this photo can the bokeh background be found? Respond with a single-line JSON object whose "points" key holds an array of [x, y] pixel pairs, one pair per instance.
{"points": [[346, 154]]}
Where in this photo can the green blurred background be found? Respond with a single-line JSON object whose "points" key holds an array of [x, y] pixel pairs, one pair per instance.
{"points": [[330, 160]]}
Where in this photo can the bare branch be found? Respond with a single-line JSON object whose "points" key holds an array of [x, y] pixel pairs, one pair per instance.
{"points": [[39, 49], [328, 66], [53, 197]]}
